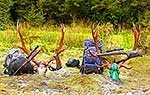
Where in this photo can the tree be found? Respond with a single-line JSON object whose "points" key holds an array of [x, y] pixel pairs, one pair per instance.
{"points": [[35, 16], [120, 13], [5, 17], [54, 10]]}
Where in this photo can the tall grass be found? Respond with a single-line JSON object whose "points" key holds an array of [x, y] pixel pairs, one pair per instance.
{"points": [[48, 37]]}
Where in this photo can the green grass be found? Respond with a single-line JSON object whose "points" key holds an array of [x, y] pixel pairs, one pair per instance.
{"points": [[77, 83], [72, 81], [48, 39]]}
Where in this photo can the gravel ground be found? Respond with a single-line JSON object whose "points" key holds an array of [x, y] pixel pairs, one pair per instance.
{"points": [[105, 83]]}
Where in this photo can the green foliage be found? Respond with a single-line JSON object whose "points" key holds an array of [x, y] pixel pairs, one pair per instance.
{"points": [[145, 19], [74, 37], [144, 42], [20, 8], [120, 13], [47, 40], [30, 11], [7, 41], [5, 16], [54, 10], [35, 16]]}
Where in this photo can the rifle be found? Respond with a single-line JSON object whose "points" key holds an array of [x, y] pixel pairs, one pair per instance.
{"points": [[130, 54]]}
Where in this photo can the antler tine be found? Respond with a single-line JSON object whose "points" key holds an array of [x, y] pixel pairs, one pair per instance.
{"points": [[136, 36], [104, 65], [59, 50], [121, 62], [50, 60], [63, 29], [17, 24], [95, 37], [23, 47], [125, 67]]}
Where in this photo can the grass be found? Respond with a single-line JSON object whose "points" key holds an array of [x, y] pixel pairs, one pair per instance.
{"points": [[48, 39], [71, 81], [137, 78], [17, 85]]}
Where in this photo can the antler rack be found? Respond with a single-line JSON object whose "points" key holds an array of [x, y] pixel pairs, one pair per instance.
{"points": [[23, 47], [130, 54], [95, 37], [58, 51]]}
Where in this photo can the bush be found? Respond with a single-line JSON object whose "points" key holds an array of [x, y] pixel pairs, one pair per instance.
{"points": [[5, 6]]}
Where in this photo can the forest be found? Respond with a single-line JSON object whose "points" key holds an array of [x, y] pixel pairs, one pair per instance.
{"points": [[120, 13]]}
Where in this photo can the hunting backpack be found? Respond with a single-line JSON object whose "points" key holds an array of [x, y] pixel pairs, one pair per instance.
{"points": [[14, 59], [88, 63]]}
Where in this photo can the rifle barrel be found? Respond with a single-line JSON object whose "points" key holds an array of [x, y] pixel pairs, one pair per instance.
{"points": [[32, 51]]}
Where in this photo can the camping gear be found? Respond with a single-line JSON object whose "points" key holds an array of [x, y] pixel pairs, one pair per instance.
{"points": [[88, 63], [16, 63], [72, 63]]}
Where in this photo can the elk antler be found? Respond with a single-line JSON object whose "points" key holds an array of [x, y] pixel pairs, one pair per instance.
{"points": [[121, 62], [137, 53], [41, 69], [107, 63], [95, 37], [23, 47], [136, 36], [59, 50]]}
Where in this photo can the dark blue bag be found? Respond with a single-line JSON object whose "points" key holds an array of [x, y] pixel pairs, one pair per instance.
{"points": [[88, 62], [14, 60]]}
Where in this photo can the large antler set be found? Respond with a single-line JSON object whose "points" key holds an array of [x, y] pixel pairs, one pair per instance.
{"points": [[95, 37], [45, 64], [59, 50], [130, 54]]}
